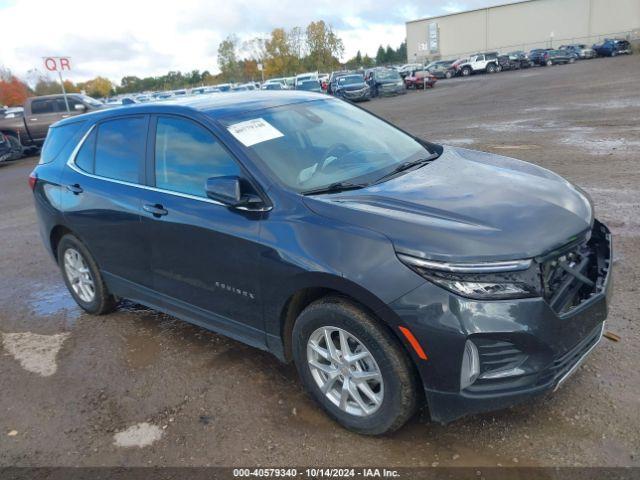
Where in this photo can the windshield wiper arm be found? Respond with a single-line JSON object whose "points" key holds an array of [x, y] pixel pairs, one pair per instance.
{"points": [[335, 187], [408, 165]]}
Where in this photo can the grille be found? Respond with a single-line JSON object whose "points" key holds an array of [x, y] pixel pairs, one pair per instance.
{"points": [[578, 273]]}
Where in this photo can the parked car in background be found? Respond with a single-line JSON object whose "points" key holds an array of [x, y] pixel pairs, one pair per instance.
{"points": [[441, 69], [352, 87], [309, 85], [556, 57], [478, 63], [30, 129], [420, 79], [456, 64], [505, 63], [274, 86], [277, 80], [6, 150], [407, 68], [536, 54], [12, 112], [520, 58], [581, 50], [303, 77], [612, 48], [384, 81], [333, 78]]}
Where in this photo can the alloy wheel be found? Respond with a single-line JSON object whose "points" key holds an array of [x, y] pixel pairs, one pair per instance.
{"points": [[345, 371], [78, 275]]}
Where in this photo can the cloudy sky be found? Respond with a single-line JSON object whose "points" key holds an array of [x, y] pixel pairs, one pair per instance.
{"points": [[114, 38]]}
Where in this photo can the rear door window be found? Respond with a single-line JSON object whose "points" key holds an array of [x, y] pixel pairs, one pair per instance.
{"points": [[120, 148], [187, 154]]}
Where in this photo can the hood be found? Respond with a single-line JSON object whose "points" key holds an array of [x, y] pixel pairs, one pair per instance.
{"points": [[467, 206], [352, 86]]}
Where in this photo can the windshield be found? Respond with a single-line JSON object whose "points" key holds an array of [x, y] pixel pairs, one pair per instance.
{"points": [[388, 75], [315, 144], [350, 80], [91, 101]]}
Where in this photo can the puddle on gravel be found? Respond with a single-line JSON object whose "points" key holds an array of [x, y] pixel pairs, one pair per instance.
{"points": [[54, 301], [143, 349]]}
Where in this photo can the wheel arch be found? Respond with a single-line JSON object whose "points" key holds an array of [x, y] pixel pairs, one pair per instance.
{"points": [[315, 287], [55, 236]]}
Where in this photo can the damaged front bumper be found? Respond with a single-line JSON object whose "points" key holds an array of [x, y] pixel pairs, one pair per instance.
{"points": [[525, 347]]}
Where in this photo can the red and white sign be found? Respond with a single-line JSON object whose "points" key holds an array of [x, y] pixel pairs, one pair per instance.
{"points": [[57, 64]]}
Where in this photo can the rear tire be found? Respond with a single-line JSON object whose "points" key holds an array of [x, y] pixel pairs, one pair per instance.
{"points": [[491, 68], [448, 75], [548, 63], [381, 404], [83, 278]]}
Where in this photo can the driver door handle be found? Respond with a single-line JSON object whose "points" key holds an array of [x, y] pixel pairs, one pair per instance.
{"points": [[156, 209]]}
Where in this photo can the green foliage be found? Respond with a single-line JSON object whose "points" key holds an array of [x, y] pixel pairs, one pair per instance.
{"points": [[228, 59], [390, 56]]}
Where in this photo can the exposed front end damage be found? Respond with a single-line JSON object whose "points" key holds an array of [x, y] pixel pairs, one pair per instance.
{"points": [[523, 347]]}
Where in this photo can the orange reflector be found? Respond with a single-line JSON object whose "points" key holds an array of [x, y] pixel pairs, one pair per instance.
{"points": [[414, 342]]}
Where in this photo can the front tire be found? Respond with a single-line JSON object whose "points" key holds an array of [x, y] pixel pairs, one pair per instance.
{"points": [[466, 71], [353, 367], [448, 75], [82, 277]]}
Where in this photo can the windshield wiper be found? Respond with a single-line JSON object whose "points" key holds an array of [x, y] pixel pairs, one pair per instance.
{"points": [[407, 165], [335, 187]]}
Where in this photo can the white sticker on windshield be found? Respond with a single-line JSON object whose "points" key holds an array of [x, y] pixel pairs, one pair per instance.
{"points": [[254, 131]]}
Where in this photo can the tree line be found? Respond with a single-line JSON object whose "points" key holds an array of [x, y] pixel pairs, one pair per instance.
{"points": [[316, 47]]}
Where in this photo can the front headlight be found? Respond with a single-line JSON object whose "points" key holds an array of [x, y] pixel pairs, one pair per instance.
{"points": [[480, 281], [400, 83]]}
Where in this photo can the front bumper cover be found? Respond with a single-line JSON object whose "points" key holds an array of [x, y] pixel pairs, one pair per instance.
{"points": [[526, 333]]}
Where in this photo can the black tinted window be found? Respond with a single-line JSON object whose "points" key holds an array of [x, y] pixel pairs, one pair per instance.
{"points": [[120, 148], [84, 158], [57, 138], [186, 155], [62, 107], [43, 106]]}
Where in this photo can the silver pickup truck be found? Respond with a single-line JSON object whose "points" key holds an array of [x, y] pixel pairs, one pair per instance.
{"points": [[29, 130]]}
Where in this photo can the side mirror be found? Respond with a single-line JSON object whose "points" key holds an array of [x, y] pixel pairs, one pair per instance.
{"points": [[229, 191], [79, 107]]}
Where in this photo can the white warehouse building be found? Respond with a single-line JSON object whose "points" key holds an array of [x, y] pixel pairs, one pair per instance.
{"points": [[522, 26]]}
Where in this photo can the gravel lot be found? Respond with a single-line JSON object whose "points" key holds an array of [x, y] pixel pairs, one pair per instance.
{"points": [[80, 390]]}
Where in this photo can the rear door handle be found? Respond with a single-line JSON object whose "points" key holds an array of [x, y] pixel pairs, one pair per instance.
{"points": [[156, 210], [75, 189]]}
